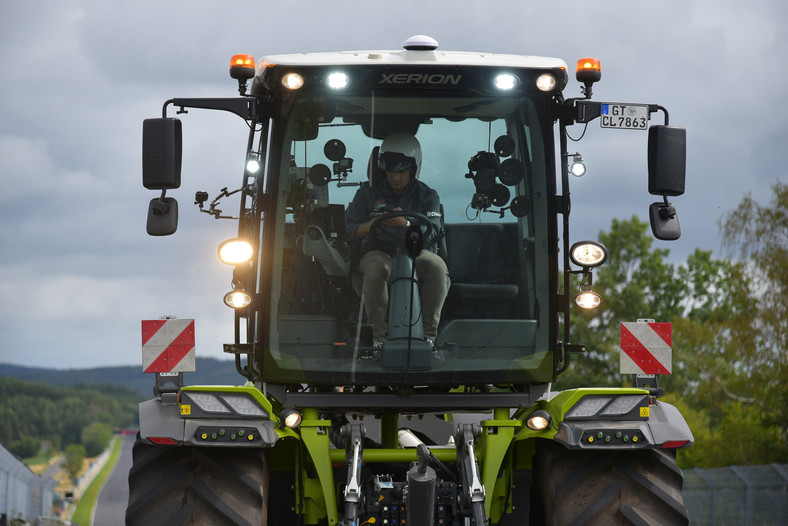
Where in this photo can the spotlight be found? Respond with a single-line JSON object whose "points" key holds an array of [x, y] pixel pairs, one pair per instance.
{"points": [[337, 80], [292, 81], [505, 81], [577, 168], [253, 162], [237, 299], [235, 251], [546, 82], [588, 299], [588, 254]]}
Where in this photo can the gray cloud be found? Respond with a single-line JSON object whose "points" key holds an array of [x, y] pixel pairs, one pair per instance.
{"points": [[78, 272]]}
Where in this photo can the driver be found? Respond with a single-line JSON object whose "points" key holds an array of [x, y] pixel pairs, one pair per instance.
{"points": [[399, 190]]}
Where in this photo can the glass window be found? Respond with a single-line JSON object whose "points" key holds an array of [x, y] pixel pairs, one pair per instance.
{"points": [[485, 159]]}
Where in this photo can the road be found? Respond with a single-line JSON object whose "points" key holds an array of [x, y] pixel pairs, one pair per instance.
{"points": [[111, 504]]}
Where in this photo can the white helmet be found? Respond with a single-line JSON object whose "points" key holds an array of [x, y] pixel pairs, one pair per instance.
{"points": [[400, 151]]}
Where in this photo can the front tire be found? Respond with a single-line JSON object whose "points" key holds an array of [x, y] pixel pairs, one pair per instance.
{"points": [[174, 485], [605, 487]]}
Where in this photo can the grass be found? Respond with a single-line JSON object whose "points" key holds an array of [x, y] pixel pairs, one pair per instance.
{"points": [[84, 512]]}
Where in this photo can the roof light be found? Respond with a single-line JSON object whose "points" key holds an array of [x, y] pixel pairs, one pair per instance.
{"points": [[588, 254], [235, 251], [505, 81], [292, 81], [588, 70], [546, 82], [242, 67], [237, 299], [337, 80]]}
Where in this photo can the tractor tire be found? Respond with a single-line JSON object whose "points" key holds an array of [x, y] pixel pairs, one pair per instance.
{"points": [[639, 487], [179, 485]]}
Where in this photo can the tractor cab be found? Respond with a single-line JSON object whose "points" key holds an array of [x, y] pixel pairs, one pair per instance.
{"points": [[485, 151]]}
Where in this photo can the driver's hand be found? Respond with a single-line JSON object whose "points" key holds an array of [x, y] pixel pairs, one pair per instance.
{"points": [[396, 222]]}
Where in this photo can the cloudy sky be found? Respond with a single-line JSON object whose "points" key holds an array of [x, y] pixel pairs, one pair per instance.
{"points": [[78, 271]]}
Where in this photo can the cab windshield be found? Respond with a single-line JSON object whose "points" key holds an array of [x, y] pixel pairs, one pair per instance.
{"points": [[487, 159]]}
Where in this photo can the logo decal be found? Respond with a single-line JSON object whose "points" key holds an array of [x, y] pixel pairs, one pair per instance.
{"points": [[435, 79]]}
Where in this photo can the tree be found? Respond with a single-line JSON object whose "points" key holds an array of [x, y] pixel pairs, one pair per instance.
{"points": [[95, 438], [759, 235], [74, 459], [729, 349]]}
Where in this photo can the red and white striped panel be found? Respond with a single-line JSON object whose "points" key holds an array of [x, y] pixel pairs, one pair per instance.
{"points": [[646, 348], [168, 346]]}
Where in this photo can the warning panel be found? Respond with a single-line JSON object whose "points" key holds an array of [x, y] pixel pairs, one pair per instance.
{"points": [[168, 346], [646, 348]]}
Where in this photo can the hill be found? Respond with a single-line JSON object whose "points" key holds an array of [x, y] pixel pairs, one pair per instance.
{"points": [[210, 371]]}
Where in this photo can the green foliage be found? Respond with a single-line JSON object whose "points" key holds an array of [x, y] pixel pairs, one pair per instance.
{"points": [[74, 459], [30, 410], [96, 437], [730, 330], [25, 447]]}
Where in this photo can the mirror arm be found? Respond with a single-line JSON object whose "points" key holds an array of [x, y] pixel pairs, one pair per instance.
{"points": [[665, 111], [668, 211], [244, 107], [161, 207]]}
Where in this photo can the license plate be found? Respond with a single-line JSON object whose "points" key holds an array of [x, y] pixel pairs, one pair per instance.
{"points": [[624, 116]]}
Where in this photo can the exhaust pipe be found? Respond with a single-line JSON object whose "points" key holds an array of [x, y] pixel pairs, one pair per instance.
{"points": [[421, 490]]}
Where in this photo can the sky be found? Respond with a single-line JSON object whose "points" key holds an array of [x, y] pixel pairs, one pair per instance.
{"points": [[78, 271]]}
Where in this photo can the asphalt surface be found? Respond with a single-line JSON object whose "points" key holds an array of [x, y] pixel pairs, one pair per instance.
{"points": [[113, 497]]}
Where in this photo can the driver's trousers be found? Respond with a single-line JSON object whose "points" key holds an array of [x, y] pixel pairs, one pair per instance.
{"points": [[433, 276]]}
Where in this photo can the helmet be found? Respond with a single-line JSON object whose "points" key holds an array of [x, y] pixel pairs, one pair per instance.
{"points": [[400, 151]]}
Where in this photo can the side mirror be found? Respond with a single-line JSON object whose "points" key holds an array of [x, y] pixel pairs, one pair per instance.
{"points": [[162, 216], [664, 221], [161, 153], [667, 159]]}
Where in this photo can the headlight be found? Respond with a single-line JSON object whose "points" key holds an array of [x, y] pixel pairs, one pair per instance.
{"points": [[291, 417], [235, 251], [243, 405], [538, 420], [589, 406]]}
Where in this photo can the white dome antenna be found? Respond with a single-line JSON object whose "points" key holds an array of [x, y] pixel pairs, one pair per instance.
{"points": [[420, 43]]}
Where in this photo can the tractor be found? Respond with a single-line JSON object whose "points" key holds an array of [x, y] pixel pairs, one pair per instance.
{"points": [[332, 424]]}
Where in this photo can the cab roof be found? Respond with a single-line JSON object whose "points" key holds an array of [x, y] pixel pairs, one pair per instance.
{"points": [[418, 50]]}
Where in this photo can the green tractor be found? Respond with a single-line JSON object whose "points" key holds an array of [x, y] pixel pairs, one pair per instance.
{"points": [[437, 420]]}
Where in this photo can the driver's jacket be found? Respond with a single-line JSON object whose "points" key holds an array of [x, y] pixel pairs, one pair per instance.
{"points": [[369, 202]]}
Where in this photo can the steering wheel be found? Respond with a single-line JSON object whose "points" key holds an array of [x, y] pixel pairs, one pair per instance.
{"points": [[416, 217]]}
